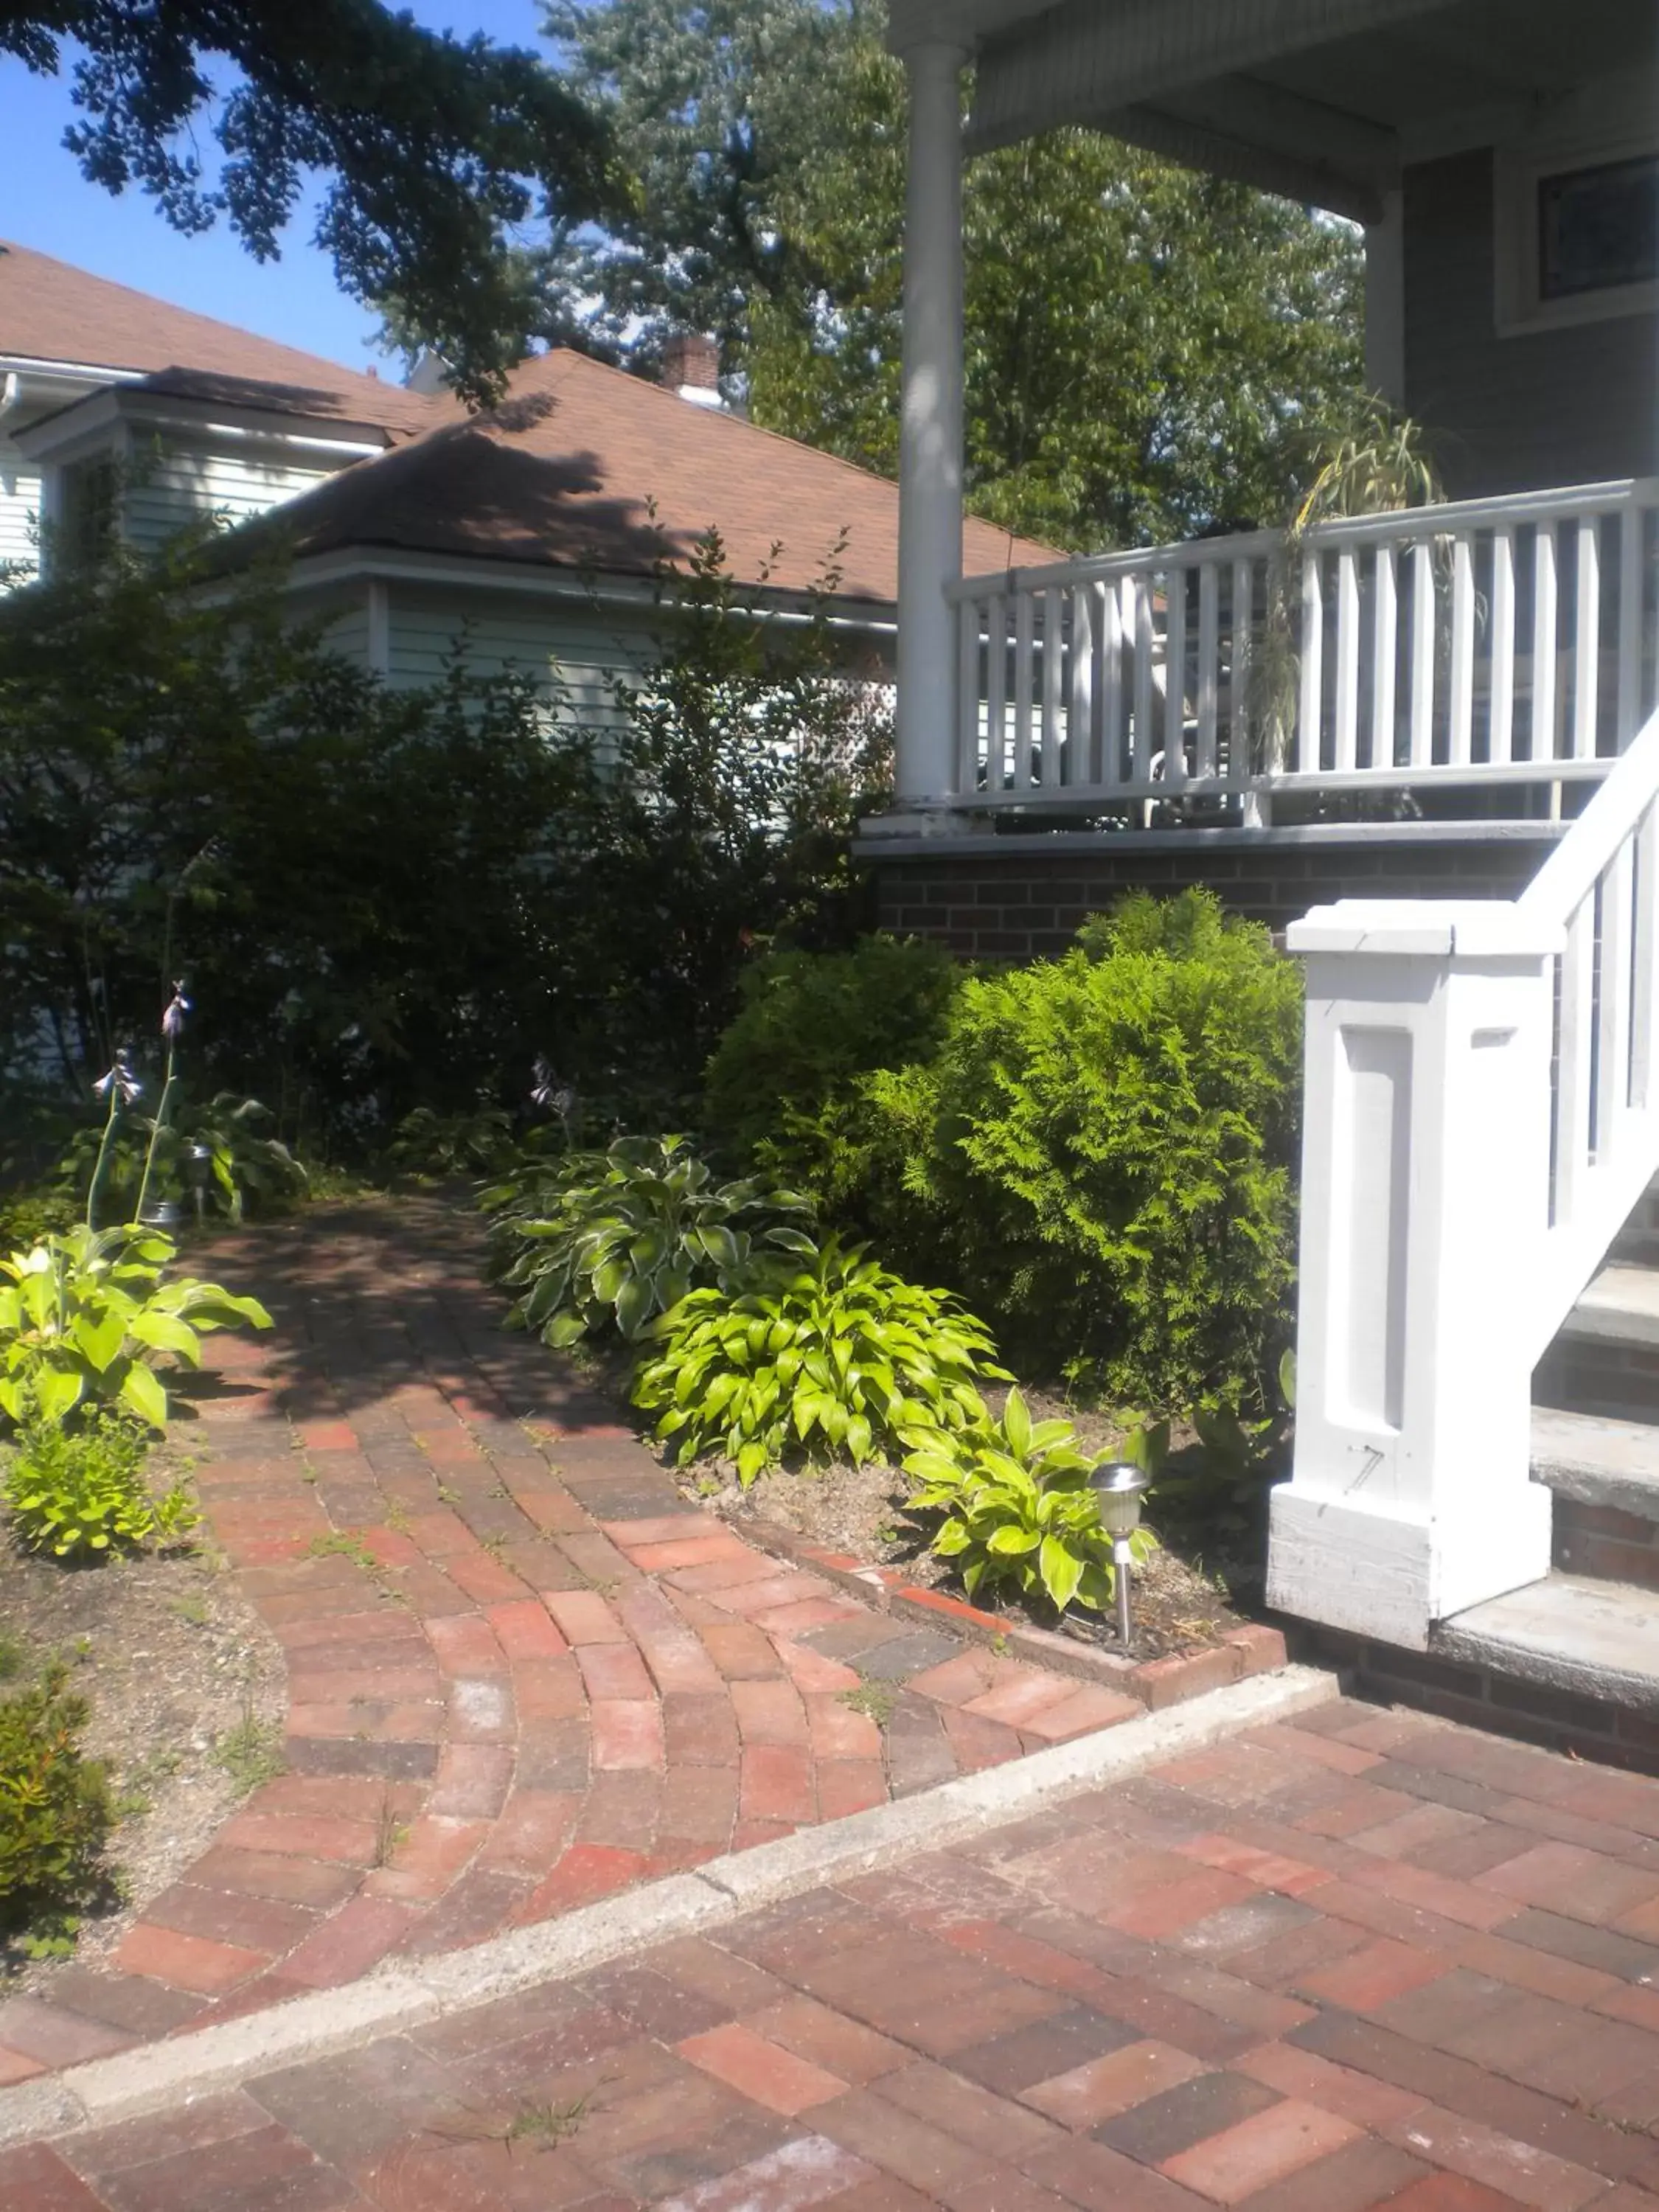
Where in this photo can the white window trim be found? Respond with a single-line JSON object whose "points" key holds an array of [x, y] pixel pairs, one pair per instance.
{"points": [[1518, 169]]}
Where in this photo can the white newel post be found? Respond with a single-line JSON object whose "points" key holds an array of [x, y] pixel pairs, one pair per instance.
{"points": [[1424, 1194], [930, 431]]}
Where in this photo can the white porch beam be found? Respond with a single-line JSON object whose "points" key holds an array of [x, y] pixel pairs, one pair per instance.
{"points": [[1079, 62], [930, 431], [1195, 145]]}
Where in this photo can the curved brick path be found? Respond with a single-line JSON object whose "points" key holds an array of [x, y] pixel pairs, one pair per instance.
{"points": [[522, 1672]]}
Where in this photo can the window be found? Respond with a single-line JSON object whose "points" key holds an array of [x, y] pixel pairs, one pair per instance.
{"points": [[1576, 234], [1598, 228]]}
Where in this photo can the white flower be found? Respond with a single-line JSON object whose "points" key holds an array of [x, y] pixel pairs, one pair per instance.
{"points": [[173, 1021], [120, 1079]]}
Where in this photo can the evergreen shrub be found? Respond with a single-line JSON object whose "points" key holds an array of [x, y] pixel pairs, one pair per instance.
{"points": [[785, 1089], [56, 1813], [1101, 1149]]}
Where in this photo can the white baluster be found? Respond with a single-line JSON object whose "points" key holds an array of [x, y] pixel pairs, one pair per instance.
{"points": [[1145, 741], [1501, 721], [1239, 693], [1111, 685], [1572, 1083], [968, 701], [1425, 613], [1310, 715], [1174, 676], [1644, 959], [1543, 644], [1024, 612], [1612, 1001], [1347, 659], [1052, 685], [1385, 636], [1461, 706], [1082, 748], [996, 694], [1209, 655], [1587, 640]]}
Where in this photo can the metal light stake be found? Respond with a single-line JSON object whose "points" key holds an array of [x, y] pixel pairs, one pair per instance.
{"points": [[1119, 1485]]}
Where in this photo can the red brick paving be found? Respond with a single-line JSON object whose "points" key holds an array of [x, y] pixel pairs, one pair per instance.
{"points": [[523, 1673], [979, 2029]]}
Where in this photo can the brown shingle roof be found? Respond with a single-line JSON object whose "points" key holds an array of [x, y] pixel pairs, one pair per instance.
{"points": [[566, 472], [51, 312]]}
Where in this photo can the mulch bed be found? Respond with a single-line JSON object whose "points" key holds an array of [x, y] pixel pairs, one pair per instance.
{"points": [[171, 1659]]}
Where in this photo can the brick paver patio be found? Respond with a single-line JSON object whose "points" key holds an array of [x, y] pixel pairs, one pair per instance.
{"points": [[523, 1673], [1362, 1959]]}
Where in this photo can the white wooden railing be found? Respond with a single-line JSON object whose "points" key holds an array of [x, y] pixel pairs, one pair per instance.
{"points": [[1481, 1116], [1495, 640]]}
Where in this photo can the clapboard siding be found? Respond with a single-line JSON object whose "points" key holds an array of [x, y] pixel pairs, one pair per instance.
{"points": [[172, 485], [1557, 406], [558, 647], [20, 510]]}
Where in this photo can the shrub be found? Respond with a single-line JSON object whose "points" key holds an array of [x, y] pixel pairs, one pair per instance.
{"points": [[841, 1354], [613, 1238], [56, 1813], [1102, 1147], [428, 1143], [783, 1089], [83, 1315], [1018, 1508], [82, 1491]]}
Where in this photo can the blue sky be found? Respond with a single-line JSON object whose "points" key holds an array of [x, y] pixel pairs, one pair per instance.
{"points": [[45, 204]]}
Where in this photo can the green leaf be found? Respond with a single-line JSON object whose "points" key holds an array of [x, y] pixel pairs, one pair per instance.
{"points": [[140, 1390], [635, 1303], [1017, 1424], [1061, 1571], [564, 1329]]}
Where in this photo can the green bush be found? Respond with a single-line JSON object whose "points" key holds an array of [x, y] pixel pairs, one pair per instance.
{"points": [[81, 1491], [841, 1354], [1102, 1150], [84, 1317], [428, 1143], [784, 1090], [597, 1240], [1020, 1508], [55, 1815]]}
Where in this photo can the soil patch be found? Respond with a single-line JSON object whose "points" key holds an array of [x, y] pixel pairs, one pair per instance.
{"points": [[172, 1660]]}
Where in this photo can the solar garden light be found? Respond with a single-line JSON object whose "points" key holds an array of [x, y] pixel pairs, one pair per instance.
{"points": [[1118, 1487], [197, 1160]]}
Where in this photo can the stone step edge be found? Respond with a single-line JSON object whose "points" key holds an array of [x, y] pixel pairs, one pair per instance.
{"points": [[156, 2076], [1546, 1668], [1251, 1648]]}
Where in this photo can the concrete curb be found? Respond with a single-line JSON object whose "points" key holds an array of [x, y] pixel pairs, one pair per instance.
{"points": [[173, 2071]]}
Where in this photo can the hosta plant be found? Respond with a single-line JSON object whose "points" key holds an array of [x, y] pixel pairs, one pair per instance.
{"points": [[80, 1491], [839, 1357], [85, 1316], [224, 1150], [1018, 1509], [593, 1240]]}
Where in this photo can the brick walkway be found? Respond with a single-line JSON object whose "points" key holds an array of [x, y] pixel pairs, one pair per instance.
{"points": [[1361, 1960], [523, 1674]]}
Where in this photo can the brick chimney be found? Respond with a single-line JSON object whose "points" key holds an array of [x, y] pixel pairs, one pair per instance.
{"points": [[691, 367]]}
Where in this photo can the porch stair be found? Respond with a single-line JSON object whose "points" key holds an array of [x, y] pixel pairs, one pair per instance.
{"points": [[1589, 1630]]}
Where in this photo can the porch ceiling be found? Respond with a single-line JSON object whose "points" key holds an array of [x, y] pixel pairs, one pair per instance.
{"points": [[1318, 99]]}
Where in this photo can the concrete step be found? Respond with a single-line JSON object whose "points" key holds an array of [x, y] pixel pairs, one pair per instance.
{"points": [[1620, 1306], [1605, 1359], [1592, 1639], [1596, 1461]]}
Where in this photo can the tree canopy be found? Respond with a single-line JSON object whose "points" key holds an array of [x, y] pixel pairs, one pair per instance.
{"points": [[434, 149], [1148, 349]]}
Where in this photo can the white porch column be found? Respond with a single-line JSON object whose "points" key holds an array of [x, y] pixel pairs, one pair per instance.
{"points": [[1424, 1183], [930, 432]]}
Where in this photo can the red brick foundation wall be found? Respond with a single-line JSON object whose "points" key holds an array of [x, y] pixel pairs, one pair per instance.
{"points": [[1027, 901]]}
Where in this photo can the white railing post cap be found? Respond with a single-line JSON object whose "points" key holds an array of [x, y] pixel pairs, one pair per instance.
{"points": [[1426, 929]]}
